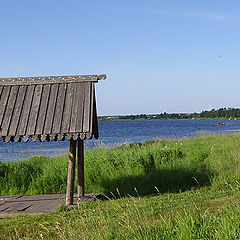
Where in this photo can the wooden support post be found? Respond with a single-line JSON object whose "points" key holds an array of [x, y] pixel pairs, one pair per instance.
{"points": [[71, 173], [80, 167]]}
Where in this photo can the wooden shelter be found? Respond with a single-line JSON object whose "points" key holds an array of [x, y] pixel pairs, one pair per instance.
{"points": [[51, 108]]}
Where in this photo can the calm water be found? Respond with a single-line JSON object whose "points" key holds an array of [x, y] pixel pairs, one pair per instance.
{"points": [[114, 133]]}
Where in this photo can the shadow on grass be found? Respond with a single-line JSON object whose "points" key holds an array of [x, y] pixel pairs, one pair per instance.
{"points": [[172, 181]]}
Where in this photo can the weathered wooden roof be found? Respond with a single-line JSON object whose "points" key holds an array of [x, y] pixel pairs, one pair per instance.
{"points": [[48, 108]]}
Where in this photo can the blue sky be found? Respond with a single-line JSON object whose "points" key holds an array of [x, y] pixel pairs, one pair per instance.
{"points": [[173, 56]]}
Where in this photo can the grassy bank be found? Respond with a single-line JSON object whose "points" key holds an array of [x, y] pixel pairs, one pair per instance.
{"points": [[201, 214], [190, 189], [168, 165]]}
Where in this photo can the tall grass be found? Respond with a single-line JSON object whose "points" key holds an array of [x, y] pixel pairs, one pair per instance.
{"points": [[191, 190], [189, 215], [170, 166]]}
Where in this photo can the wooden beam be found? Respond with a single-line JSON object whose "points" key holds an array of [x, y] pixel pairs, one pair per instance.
{"points": [[80, 167], [51, 79], [71, 173]]}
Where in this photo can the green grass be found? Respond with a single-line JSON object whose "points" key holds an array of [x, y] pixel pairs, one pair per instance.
{"points": [[184, 189], [201, 214]]}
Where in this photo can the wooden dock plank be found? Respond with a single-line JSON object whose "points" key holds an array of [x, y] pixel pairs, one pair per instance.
{"points": [[36, 203]]}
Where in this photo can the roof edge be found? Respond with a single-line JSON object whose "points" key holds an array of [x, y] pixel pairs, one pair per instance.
{"points": [[51, 79]]}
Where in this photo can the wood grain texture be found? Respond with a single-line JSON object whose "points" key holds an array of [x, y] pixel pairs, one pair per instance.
{"points": [[67, 111], [59, 109], [3, 102], [25, 111], [17, 111], [51, 109], [78, 100], [87, 108], [43, 109], [34, 110], [51, 79], [9, 110], [64, 108], [71, 173], [1, 88], [80, 168]]}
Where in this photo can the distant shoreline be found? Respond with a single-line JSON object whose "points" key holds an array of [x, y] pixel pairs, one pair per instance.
{"points": [[218, 114], [142, 119]]}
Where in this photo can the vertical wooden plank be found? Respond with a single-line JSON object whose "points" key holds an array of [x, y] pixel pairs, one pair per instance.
{"points": [[91, 108], [59, 109], [67, 111], [9, 110], [95, 120], [78, 99], [51, 109], [1, 88], [87, 108], [80, 167], [43, 109], [17, 111], [34, 111], [3, 101], [71, 173], [25, 111], [80, 111]]}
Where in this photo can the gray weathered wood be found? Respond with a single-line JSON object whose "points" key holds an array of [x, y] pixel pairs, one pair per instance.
{"points": [[51, 109], [43, 109], [95, 120], [1, 88], [77, 97], [80, 167], [81, 110], [24, 205], [25, 111], [67, 109], [9, 110], [34, 110], [71, 173], [91, 119], [48, 111], [3, 102], [87, 109], [51, 79], [17, 111], [59, 109]]}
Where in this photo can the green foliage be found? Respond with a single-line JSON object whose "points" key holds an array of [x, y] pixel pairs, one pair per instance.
{"points": [[169, 166], [214, 113], [202, 214], [191, 189]]}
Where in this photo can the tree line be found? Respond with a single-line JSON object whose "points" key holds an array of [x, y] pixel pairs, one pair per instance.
{"points": [[230, 113]]}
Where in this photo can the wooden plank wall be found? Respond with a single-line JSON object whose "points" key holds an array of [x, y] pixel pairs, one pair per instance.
{"points": [[47, 111]]}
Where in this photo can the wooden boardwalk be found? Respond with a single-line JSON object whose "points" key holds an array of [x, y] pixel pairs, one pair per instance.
{"points": [[35, 204]]}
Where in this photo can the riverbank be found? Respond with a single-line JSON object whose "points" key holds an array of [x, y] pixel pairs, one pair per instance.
{"points": [[166, 164], [181, 189]]}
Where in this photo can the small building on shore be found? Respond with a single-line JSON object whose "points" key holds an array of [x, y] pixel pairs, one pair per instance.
{"points": [[51, 108]]}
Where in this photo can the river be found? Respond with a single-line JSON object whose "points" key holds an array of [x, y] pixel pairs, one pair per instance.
{"points": [[115, 133]]}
